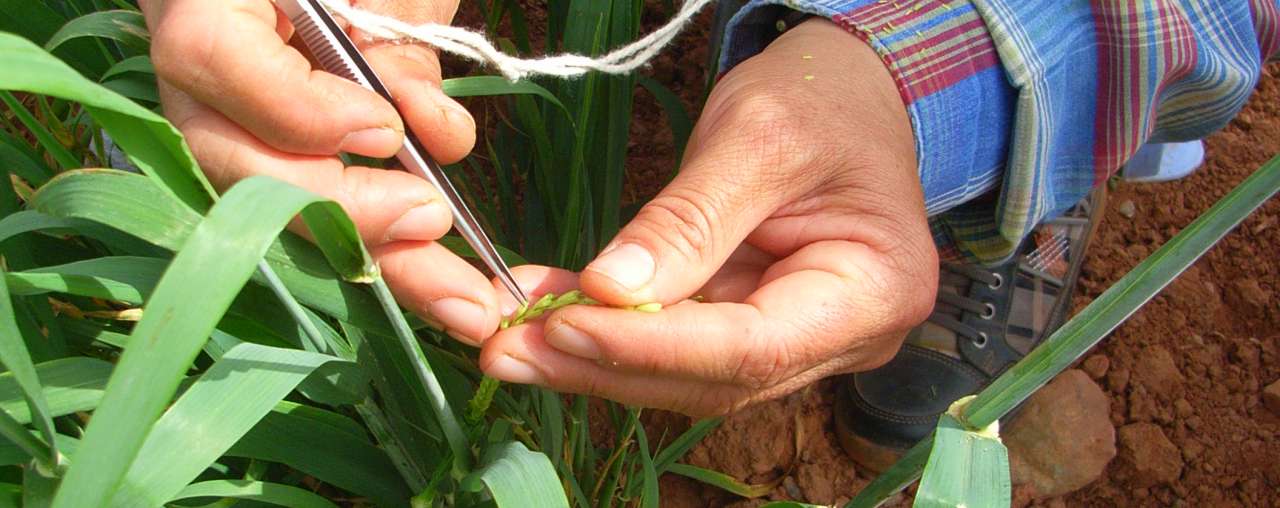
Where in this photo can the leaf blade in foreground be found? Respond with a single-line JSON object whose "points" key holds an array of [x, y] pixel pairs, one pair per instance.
{"points": [[216, 260]]}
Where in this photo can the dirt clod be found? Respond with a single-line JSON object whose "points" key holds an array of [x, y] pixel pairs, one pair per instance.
{"points": [[1150, 457], [1096, 366], [1271, 397], [1156, 371]]}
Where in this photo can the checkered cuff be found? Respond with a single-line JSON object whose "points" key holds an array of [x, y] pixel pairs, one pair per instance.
{"points": [[948, 74]]}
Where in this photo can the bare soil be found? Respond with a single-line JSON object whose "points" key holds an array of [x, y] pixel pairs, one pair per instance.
{"points": [[1193, 362], [1218, 326]]}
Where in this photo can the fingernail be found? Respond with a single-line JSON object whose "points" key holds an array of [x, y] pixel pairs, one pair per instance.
{"points": [[458, 310], [372, 142], [629, 265], [454, 110], [419, 223], [570, 340], [512, 370]]}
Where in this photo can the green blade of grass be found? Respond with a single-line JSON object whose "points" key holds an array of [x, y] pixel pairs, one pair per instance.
{"points": [[14, 356], [93, 332], [220, 407], [893, 480], [37, 489], [69, 385], [215, 262], [681, 445], [425, 374], [127, 279], [262, 492], [37, 21], [154, 145], [140, 64], [126, 27], [1093, 323], [11, 455], [649, 473], [138, 88], [483, 86], [964, 469], [615, 113], [28, 221], [327, 446], [722, 481], [18, 158], [125, 201], [60, 153], [517, 477], [29, 443], [27, 284], [130, 202]]}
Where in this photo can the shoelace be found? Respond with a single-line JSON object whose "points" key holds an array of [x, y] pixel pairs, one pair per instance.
{"points": [[963, 303]]}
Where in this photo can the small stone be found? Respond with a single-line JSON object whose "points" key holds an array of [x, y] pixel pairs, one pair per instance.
{"points": [[1156, 371], [1247, 295], [1271, 397], [1127, 209], [1183, 408], [1062, 439], [1192, 450], [1096, 366], [1118, 380], [1149, 454]]}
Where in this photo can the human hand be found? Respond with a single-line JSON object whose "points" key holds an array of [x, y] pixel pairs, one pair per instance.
{"points": [[798, 215], [251, 104]]}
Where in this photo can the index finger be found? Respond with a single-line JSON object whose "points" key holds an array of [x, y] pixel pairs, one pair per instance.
{"points": [[829, 300], [228, 54]]}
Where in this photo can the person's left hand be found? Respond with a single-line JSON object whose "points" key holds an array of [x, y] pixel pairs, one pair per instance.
{"points": [[799, 217]]}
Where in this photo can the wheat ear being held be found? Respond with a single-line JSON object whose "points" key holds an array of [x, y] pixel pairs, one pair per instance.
{"points": [[475, 46]]}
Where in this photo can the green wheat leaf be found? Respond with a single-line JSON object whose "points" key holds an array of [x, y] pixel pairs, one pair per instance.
{"points": [[216, 260]]}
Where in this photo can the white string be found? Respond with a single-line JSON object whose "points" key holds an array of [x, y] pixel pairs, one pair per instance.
{"points": [[475, 46]]}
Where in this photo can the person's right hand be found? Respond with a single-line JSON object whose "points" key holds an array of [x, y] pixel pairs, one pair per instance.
{"points": [[251, 104]]}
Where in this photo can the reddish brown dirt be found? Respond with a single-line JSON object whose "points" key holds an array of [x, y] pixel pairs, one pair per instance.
{"points": [[1190, 366], [1194, 361]]}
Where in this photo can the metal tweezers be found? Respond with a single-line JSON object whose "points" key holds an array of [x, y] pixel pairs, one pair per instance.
{"points": [[335, 52]]}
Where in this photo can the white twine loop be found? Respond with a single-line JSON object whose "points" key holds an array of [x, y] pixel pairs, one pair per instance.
{"points": [[474, 46]]}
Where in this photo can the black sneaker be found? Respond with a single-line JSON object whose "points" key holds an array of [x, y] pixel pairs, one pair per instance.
{"points": [[986, 319]]}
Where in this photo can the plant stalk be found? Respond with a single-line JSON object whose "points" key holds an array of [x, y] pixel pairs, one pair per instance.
{"points": [[457, 439]]}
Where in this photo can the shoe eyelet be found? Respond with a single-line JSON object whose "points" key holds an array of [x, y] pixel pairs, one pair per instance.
{"points": [[981, 341], [989, 311], [999, 281]]}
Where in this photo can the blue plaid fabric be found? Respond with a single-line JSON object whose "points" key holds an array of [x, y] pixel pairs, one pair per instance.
{"points": [[1020, 108]]}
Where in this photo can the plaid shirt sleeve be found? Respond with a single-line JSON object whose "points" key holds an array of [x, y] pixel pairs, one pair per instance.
{"points": [[1021, 107]]}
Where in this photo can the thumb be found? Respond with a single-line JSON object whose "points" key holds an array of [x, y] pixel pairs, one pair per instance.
{"points": [[681, 238]]}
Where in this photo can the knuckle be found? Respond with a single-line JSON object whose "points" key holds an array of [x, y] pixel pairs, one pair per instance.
{"points": [[771, 129], [178, 54], [683, 221], [917, 291]]}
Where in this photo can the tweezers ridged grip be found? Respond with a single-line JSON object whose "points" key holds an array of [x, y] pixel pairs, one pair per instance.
{"points": [[329, 58], [336, 54]]}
